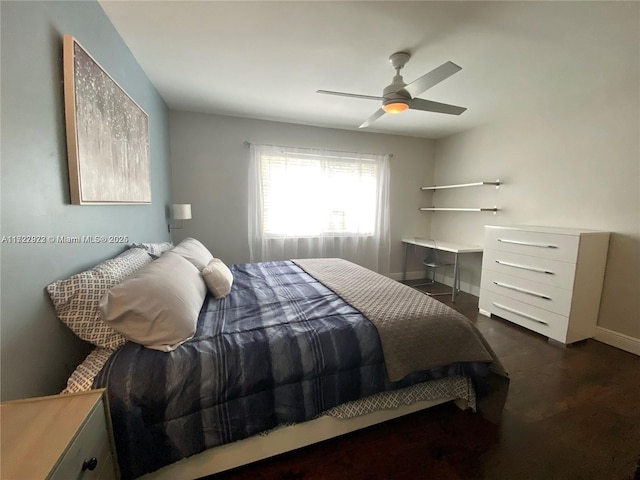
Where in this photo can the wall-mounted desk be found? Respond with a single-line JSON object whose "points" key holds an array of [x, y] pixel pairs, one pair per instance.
{"points": [[444, 246]]}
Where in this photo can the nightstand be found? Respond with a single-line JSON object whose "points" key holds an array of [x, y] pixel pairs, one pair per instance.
{"points": [[60, 437]]}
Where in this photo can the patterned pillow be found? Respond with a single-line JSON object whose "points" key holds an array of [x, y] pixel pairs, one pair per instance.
{"points": [[76, 298], [154, 249], [82, 377]]}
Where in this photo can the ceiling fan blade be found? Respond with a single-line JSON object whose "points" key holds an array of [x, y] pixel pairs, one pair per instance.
{"points": [[372, 118], [429, 106], [432, 78], [352, 95]]}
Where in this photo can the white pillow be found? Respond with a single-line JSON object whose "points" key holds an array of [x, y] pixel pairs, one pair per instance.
{"points": [[218, 278], [158, 306], [194, 251]]}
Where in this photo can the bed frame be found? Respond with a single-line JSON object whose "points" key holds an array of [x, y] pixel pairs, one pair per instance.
{"points": [[284, 439]]}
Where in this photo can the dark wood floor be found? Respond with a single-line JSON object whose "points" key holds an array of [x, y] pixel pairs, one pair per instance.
{"points": [[572, 412]]}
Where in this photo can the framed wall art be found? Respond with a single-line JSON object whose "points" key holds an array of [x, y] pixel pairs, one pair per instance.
{"points": [[107, 134]]}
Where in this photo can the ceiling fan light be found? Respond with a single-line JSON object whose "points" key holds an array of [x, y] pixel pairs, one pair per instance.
{"points": [[395, 107]]}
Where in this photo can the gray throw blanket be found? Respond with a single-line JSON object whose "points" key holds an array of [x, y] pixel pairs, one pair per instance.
{"points": [[417, 332]]}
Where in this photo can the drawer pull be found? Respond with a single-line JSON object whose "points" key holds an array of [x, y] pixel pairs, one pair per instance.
{"points": [[528, 244], [522, 290], [90, 464], [525, 315], [525, 267]]}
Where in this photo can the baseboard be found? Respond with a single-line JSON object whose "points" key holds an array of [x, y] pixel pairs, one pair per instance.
{"points": [[410, 275], [618, 340], [464, 286], [469, 288]]}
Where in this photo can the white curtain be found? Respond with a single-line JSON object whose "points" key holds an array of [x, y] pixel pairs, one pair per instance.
{"points": [[307, 203]]}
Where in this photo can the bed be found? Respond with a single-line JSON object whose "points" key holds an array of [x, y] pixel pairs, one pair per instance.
{"points": [[297, 352]]}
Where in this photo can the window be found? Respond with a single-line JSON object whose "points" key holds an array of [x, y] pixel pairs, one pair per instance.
{"points": [[308, 195], [307, 203]]}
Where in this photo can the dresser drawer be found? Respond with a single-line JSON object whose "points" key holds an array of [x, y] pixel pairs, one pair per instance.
{"points": [[536, 244], [551, 272], [92, 441], [533, 318], [541, 295]]}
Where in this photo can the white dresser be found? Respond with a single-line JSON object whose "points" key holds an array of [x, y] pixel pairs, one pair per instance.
{"points": [[546, 279]]}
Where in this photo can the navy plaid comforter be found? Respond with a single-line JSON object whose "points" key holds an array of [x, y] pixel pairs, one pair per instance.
{"points": [[281, 348]]}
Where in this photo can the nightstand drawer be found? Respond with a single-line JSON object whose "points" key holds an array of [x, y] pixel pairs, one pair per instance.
{"points": [[551, 272], [536, 244], [89, 455], [541, 321], [541, 295]]}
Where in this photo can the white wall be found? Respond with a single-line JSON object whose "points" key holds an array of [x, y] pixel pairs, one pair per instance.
{"points": [[210, 171], [574, 164]]}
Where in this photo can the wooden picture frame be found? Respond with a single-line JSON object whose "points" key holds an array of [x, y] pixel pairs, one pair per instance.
{"points": [[107, 135]]}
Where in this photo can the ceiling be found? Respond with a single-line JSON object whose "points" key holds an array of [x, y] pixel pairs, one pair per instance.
{"points": [[266, 59]]}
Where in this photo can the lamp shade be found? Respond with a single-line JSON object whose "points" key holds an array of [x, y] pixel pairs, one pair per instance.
{"points": [[181, 211]]}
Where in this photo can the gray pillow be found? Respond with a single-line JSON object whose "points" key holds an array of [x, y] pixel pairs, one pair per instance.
{"points": [[158, 306], [218, 278], [194, 251]]}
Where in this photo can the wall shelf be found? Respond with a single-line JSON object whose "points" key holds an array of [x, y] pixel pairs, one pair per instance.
{"points": [[462, 185], [444, 209]]}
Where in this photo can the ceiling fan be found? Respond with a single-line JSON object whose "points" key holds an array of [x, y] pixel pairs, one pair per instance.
{"points": [[398, 96]]}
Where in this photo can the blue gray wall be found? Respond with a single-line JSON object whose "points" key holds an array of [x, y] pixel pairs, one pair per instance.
{"points": [[37, 351]]}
